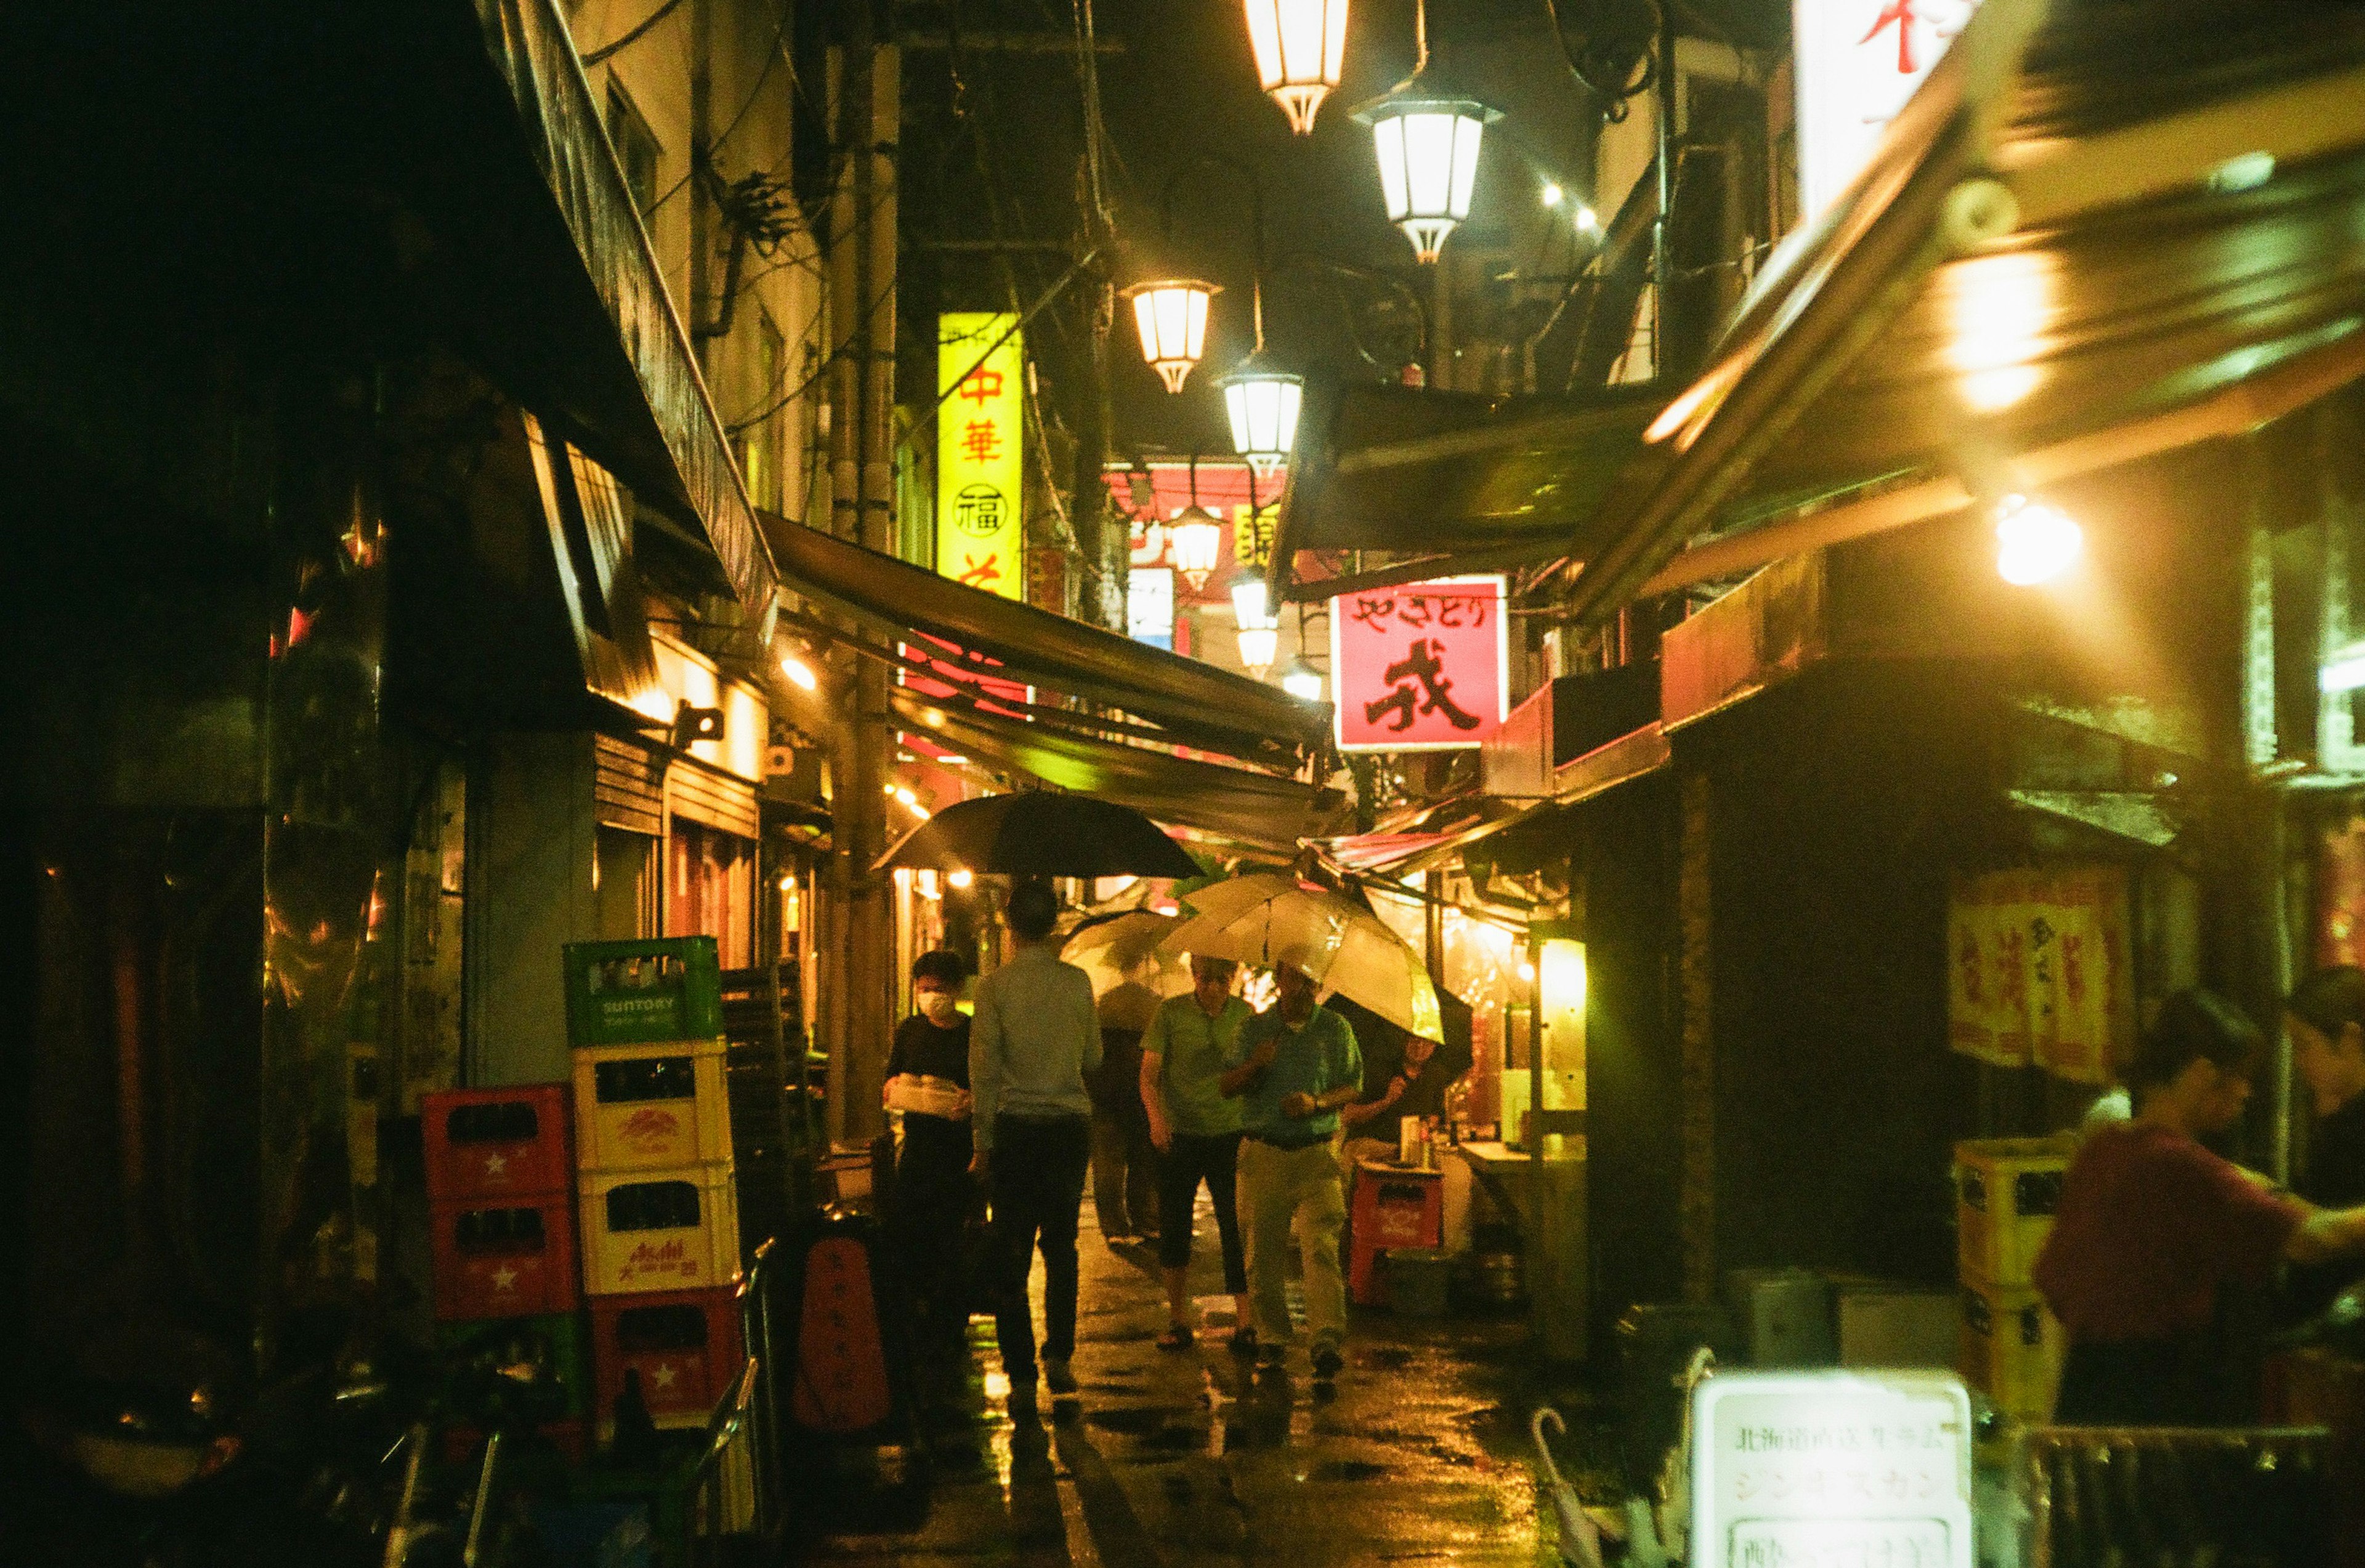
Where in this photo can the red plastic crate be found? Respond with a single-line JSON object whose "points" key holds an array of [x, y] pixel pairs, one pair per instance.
{"points": [[685, 1344], [1392, 1208], [466, 1445], [511, 1258], [497, 1143]]}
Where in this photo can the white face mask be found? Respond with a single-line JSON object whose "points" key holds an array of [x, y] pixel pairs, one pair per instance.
{"points": [[939, 1006]]}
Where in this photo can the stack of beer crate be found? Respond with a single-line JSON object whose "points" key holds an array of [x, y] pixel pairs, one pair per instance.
{"points": [[499, 1174], [654, 1179], [2006, 1191]]}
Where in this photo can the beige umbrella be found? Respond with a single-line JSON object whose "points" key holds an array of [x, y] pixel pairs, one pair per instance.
{"points": [[1123, 950], [1344, 948]]}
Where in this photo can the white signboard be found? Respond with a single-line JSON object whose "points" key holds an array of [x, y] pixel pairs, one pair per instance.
{"points": [[1149, 606], [1858, 61], [1832, 1470]]}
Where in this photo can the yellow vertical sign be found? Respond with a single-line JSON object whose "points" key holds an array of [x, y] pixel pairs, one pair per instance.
{"points": [[979, 447]]}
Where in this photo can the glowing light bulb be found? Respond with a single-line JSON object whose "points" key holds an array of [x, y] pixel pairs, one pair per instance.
{"points": [[2034, 544], [960, 879], [800, 673], [1552, 194]]}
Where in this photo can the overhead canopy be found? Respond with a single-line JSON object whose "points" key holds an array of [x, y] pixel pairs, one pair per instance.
{"points": [[1197, 703], [1234, 803], [2091, 214]]}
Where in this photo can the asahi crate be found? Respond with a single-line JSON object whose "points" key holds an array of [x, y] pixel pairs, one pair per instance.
{"points": [[2005, 1192], [674, 1229], [622, 992], [651, 1104], [2012, 1348]]}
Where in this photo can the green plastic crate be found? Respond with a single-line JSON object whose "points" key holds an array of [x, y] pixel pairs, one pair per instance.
{"points": [[556, 1341], [621, 993]]}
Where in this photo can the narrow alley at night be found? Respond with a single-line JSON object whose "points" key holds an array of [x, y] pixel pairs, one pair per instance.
{"points": [[1184, 784]]}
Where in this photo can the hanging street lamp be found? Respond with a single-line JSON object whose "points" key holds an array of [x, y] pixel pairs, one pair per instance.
{"points": [[1299, 45], [1257, 628], [1170, 315], [1427, 142], [1196, 540], [1301, 680]]}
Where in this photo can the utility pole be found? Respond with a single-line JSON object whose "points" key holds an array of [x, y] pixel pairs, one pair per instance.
{"points": [[868, 85]]}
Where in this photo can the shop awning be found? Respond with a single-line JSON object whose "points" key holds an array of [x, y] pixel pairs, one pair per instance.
{"points": [[2091, 217], [1196, 704], [1235, 804]]}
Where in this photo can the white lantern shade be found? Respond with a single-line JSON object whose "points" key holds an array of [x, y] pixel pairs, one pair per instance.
{"points": [[1248, 609], [1196, 540], [1302, 681], [1428, 150], [1171, 315], [1259, 646], [1263, 406], [1300, 46]]}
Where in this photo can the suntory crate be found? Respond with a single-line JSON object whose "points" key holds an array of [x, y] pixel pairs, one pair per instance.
{"points": [[666, 989], [668, 1230], [2005, 1192], [651, 1104]]}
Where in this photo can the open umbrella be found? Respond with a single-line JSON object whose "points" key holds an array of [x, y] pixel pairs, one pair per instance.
{"points": [[1037, 832], [1123, 949], [1343, 947]]}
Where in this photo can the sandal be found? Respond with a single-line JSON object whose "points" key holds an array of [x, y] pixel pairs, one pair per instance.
{"points": [[1243, 1342], [1177, 1336]]}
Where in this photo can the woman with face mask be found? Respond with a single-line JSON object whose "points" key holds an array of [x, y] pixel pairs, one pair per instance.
{"points": [[928, 1080]]}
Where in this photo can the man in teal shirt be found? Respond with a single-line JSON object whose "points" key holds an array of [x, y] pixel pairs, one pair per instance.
{"points": [[1190, 1042], [1295, 1066]]}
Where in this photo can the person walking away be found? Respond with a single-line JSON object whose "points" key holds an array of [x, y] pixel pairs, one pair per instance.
{"points": [[2325, 1020], [1197, 1129], [1125, 1171], [928, 1080], [2150, 1224], [1297, 1064], [1035, 1038]]}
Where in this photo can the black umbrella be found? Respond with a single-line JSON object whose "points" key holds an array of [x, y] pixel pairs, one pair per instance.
{"points": [[1038, 833]]}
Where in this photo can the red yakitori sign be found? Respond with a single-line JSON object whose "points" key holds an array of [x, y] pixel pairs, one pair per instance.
{"points": [[1421, 667]]}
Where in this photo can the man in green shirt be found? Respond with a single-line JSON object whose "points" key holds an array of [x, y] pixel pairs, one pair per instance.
{"points": [[1185, 1052], [1295, 1066]]}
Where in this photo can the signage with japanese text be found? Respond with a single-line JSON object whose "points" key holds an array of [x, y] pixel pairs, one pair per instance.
{"points": [[2038, 970], [981, 469], [1421, 667], [1247, 504], [1149, 606], [1831, 1469], [1859, 60]]}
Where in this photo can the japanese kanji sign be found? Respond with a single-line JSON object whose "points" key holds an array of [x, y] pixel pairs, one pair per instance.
{"points": [[1858, 61], [2038, 970], [1421, 667], [979, 466], [1831, 1469]]}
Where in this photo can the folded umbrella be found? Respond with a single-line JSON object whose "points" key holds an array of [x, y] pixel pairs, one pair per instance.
{"points": [[1344, 948], [1038, 833]]}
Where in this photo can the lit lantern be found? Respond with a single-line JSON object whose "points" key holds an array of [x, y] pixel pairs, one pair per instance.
{"points": [[1171, 316], [1557, 1066], [1262, 402], [1257, 628], [1301, 680], [1428, 149], [1198, 539], [1299, 45], [2034, 544]]}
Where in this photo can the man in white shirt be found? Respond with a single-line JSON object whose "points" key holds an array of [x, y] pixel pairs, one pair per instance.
{"points": [[1035, 1037]]}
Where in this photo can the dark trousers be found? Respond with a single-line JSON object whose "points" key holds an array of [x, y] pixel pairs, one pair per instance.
{"points": [[1125, 1175], [1189, 1161], [932, 1198], [2141, 1383], [1037, 1178]]}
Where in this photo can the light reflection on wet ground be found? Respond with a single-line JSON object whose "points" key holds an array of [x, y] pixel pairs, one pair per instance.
{"points": [[1178, 1460]]}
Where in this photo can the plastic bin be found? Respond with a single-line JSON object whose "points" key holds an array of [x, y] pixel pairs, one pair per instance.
{"points": [[514, 1258], [672, 1229], [623, 993], [652, 1103], [1420, 1280], [2006, 1193], [1785, 1315], [497, 1143], [685, 1345]]}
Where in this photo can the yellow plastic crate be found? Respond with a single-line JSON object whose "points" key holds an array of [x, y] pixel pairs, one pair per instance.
{"points": [[670, 1229], [2005, 1192], [651, 1104], [2011, 1349]]}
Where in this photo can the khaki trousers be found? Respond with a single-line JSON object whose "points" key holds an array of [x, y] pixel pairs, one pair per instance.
{"points": [[1277, 1186]]}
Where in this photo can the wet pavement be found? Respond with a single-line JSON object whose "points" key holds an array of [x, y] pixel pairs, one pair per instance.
{"points": [[1419, 1453]]}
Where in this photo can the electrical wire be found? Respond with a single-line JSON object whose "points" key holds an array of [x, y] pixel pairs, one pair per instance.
{"points": [[633, 35]]}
